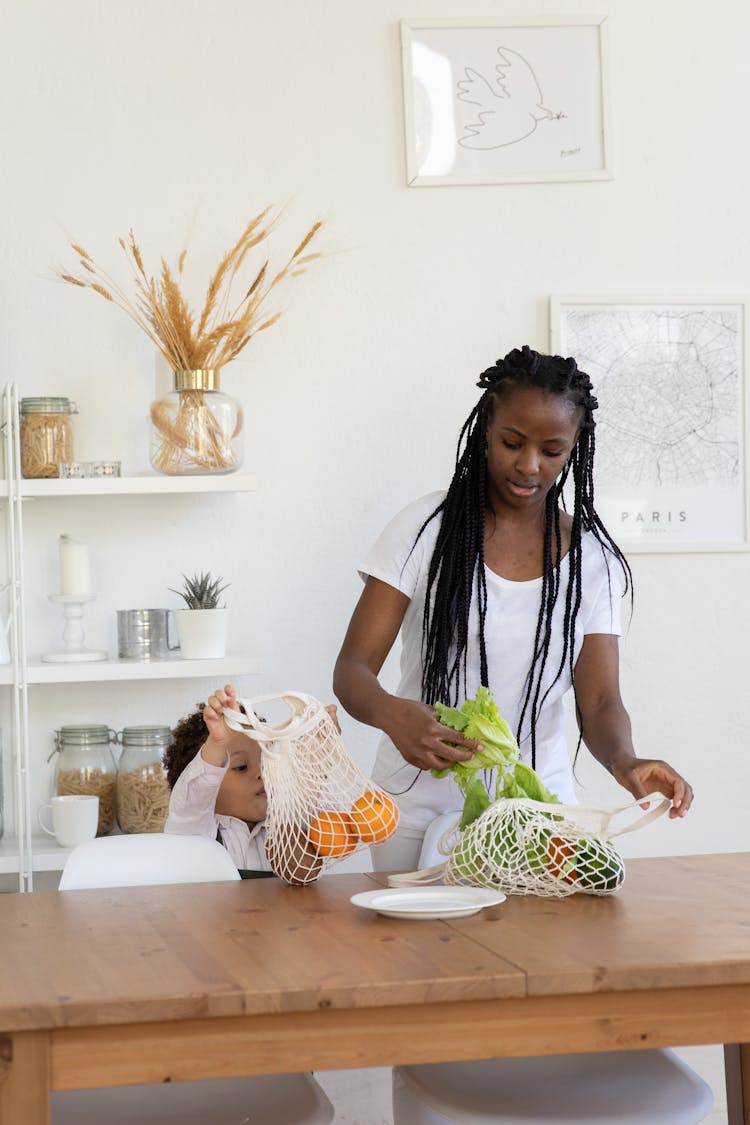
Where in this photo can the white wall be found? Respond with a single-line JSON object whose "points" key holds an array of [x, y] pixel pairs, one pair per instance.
{"points": [[182, 119]]}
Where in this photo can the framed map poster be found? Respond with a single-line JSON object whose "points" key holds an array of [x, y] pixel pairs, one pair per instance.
{"points": [[670, 378]]}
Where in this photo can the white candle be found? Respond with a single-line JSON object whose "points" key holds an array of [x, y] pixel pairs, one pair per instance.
{"points": [[75, 573]]}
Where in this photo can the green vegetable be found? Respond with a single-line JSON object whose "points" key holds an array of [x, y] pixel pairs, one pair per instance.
{"points": [[489, 854], [480, 720], [598, 866]]}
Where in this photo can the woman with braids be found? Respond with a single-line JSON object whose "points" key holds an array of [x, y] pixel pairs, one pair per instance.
{"points": [[494, 582]]}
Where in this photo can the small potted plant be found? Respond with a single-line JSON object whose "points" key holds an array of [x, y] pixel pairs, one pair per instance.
{"points": [[202, 626]]}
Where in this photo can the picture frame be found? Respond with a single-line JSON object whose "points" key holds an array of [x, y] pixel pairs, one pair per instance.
{"points": [[513, 100], [670, 375]]}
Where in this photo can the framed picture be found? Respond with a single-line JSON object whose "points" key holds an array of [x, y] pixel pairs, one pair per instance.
{"points": [[508, 101], [670, 377]]}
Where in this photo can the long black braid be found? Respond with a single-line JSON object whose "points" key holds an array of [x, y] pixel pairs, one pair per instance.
{"points": [[456, 568]]}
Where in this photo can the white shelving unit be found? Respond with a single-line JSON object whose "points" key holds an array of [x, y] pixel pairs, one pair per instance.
{"points": [[100, 671], [146, 485], [29, 851]]}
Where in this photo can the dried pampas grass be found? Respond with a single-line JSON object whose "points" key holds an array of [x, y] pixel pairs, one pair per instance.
{"points": [[220, 332]]}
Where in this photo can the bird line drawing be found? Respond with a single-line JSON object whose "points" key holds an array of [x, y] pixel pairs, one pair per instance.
{"points": [[509, 107]]}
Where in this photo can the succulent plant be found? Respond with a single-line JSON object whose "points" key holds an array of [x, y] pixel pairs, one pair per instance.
{"points": [[202, 591]]}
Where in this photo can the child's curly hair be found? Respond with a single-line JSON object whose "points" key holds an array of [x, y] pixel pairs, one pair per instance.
{"points": [[187, 738]]}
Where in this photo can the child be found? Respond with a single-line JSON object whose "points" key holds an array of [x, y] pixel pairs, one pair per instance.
{"points": [[217, 791]]}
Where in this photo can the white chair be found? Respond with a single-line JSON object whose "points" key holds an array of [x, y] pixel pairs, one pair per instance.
{"points": [[146, 859], [150, 859], [612, 1088], [652, 1087]]}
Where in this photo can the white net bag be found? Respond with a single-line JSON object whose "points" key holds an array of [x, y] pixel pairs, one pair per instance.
{"points": [[526, 847], [321, 806]]}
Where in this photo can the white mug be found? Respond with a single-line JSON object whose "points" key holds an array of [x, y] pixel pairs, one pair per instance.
{"points": [[75, 818]]}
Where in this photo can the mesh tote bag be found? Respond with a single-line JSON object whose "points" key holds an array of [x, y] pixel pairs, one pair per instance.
{"points": [[526, 847], [321, 806]]}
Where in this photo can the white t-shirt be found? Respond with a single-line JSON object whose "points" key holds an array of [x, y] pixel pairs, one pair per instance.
{"points": [[191, 813], [509, 629]]}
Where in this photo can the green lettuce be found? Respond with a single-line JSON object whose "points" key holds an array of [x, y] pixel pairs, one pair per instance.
{"points": [[590, 863], [479, 719]]}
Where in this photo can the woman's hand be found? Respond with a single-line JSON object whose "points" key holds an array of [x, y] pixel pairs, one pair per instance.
{"points": [[421, 739], [605, 726], [641, 776]]}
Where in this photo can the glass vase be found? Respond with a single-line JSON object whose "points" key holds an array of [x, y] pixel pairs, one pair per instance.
{"points": [[196, 428]]}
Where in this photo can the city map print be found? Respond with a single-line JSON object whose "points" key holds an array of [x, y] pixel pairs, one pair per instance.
{"points": [[669, 428]]}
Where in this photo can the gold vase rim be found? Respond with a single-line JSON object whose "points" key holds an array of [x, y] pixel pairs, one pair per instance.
{"points": [[197, 379]]}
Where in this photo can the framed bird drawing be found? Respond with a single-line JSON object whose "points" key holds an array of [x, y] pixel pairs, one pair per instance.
{"points": [[506, 102]]}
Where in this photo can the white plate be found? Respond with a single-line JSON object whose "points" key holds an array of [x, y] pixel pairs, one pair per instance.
{"points": [[428, 902]]}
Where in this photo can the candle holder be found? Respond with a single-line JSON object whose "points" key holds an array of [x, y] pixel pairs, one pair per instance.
{"points": [[73, 632]]}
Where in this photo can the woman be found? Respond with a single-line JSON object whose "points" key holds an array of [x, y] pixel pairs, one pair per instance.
{"points": [[495, 583]]}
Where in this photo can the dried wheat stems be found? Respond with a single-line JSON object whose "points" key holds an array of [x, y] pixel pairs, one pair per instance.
{"points": [[159, 307]]}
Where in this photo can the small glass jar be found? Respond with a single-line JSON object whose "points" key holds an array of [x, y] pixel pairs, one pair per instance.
{"points": [[196, 428], [142, 787], [46, 435], [85, 764]]}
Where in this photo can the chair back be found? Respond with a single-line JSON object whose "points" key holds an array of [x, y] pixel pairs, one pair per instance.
{"points": [[146, 859]]}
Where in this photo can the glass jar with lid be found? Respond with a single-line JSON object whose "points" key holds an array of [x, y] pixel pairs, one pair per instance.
{"points": [[142, 787], [85, 764], [46, 435]]}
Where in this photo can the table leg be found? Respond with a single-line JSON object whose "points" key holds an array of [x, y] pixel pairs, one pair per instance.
{"points": [[25, 1078], [737, 1070]]}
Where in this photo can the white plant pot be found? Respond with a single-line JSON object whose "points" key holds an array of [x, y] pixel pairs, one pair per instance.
{"points": [[202, 632]]}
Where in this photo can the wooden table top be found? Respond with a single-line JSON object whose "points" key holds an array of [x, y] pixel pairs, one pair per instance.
{"points": [[83, 958]]}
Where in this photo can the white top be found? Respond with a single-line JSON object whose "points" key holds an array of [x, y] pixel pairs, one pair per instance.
{"points": [[191, 813], [510, 625]]}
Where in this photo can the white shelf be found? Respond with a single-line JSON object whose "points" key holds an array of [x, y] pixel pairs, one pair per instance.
{"points": [[46, 855], [148, 484], [237, 664], [9, 855]]}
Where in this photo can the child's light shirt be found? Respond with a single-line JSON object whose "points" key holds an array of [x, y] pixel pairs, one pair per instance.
{"points": [[191, 813]]}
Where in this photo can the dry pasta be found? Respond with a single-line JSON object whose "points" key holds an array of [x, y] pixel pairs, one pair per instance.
{"points": [[97, 783], [142, 800], [46, 440]]}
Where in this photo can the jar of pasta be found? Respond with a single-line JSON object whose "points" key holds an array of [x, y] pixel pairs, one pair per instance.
{"points": [[85, 764], [142, 787], [46, 437]]}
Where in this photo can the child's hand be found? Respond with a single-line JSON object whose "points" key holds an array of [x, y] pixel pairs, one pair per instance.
{"points": [[332, 711], [213, 713]]}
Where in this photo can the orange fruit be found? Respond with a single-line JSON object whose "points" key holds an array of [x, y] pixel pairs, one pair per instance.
{"points": [[559, 854], [332, 833], [375, 817], [292, 857]]}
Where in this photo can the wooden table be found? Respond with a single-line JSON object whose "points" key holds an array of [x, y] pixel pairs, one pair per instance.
{"points": [[102, 988]]}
